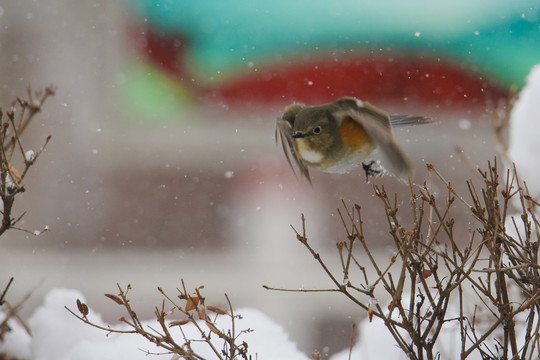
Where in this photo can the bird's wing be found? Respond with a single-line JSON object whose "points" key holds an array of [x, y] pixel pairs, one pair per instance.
{"points": [[284, 130], [398, 120], [377, 123]]}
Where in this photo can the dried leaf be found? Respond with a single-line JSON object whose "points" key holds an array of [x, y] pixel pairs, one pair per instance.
{"points": [[370, 314], [192, 302], [217, 310], [14, 172], [404, 322], [115, 298], [83, 308], [179, 322], [426, 273]]}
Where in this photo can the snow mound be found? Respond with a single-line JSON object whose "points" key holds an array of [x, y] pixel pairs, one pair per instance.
{"points": [[525, 132], [58, 335]]}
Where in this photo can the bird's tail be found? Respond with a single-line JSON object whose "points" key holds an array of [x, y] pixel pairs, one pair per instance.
{"points": [[408, 120]]}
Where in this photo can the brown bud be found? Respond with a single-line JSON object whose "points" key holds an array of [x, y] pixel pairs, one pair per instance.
{"points": [[83, 308], [115, 298]]}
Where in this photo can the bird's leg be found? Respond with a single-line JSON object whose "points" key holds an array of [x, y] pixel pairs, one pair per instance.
{"points": [[369, 170]]}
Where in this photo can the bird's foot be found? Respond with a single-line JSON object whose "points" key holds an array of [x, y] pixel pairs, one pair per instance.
{"points": [[371, 169]]}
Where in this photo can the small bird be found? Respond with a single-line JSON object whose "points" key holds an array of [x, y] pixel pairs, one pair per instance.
{"points": [[339, 136]]}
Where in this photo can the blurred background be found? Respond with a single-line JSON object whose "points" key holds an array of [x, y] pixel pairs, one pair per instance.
{"points": [[163, 163]]}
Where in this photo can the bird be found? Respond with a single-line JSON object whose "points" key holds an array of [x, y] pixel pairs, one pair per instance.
{"points": [[340, 136]]}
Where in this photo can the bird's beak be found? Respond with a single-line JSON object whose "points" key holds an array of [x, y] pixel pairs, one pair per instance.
{"points": [[298, 135]]}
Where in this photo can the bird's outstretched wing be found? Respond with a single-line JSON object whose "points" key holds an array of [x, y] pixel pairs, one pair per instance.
{"points": [[284, 133], [377, 124]]}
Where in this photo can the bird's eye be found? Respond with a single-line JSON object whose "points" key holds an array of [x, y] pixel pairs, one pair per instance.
{"points": [[317, 130]]}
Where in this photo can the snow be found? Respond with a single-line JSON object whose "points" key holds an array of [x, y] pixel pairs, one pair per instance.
{"points": [[374, 342], [17, 341], [465, 124], [30, 155], [524, 132]]}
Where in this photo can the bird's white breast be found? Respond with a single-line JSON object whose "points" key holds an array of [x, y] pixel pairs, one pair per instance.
{"points": [[307, 153]]}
